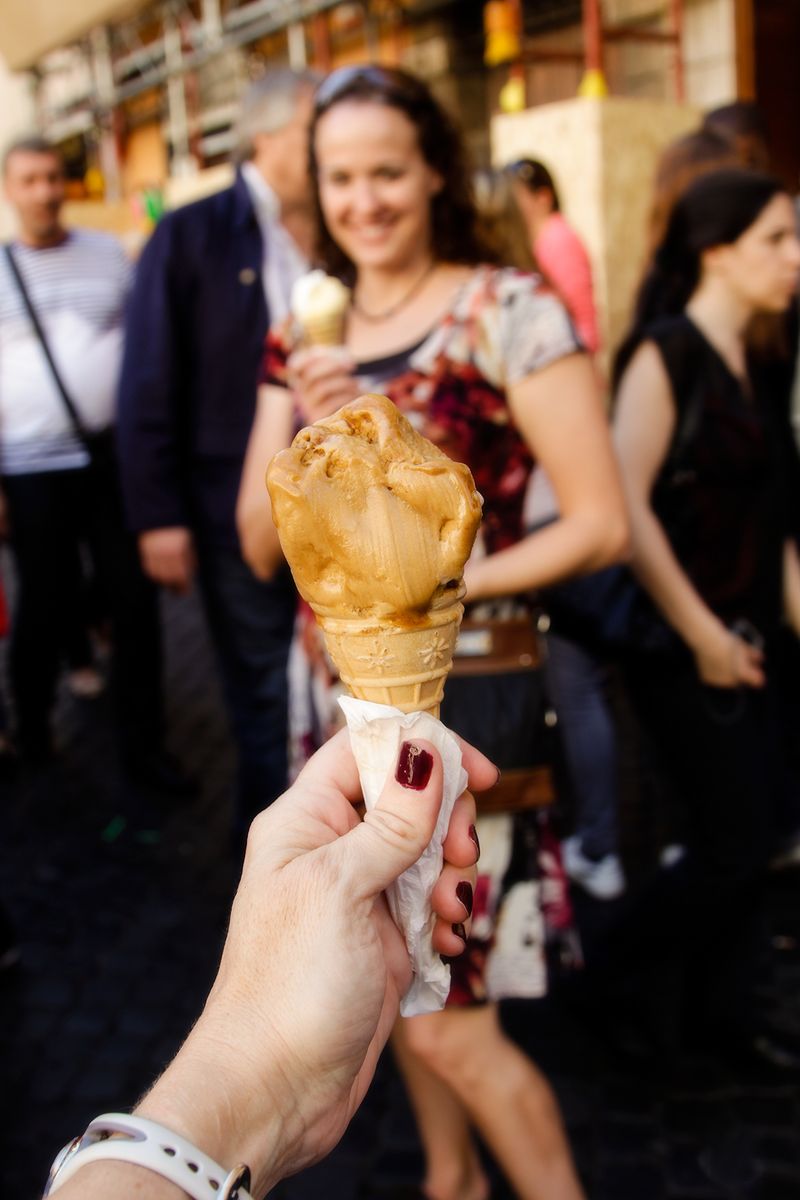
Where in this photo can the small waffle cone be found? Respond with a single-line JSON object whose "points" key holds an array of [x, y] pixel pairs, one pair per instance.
{"points": [[402, 665], [325, 330]]}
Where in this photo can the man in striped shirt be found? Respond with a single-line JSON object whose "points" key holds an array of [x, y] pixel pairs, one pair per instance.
{"points": [[59, 475]]}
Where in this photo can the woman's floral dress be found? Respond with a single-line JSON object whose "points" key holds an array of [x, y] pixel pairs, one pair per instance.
{"points": [[502, 326]]}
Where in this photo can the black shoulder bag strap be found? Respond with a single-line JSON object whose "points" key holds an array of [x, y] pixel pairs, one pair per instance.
{"points": [[69, 404]]}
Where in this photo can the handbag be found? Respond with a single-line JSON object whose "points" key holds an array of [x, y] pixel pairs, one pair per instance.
{"points": [[496, 699], [100, 444]]}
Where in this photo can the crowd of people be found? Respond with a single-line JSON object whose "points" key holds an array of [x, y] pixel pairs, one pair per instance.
{"points": [[656, 554]]}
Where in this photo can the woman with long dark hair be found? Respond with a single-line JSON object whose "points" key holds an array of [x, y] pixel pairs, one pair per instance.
{"points": [[706, 457], [485, 363]]}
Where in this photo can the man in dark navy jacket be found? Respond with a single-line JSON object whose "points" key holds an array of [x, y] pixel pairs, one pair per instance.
{"points": [[210, 281]]}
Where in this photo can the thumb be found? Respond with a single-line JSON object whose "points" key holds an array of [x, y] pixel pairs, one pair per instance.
{"points": [[395, 832]]}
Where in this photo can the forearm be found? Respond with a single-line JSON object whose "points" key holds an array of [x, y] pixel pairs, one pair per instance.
{"points": [[571, 545], [272, 432], [662, 576], [208, 1096], [791, 585], [258, 536]]}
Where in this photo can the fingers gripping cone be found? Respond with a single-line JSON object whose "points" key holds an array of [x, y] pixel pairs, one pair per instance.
{"points": [[376, 524]]}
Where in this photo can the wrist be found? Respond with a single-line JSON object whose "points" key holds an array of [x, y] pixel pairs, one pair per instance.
{"points": [[225, 1104], [703, 631]]}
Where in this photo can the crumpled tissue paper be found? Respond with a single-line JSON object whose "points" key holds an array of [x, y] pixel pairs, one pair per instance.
{"points": [[376, 734]]}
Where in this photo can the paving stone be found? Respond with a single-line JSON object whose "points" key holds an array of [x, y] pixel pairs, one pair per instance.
{"points": [[779, 1149], [685, 1172], [768, 1111], [632, 1179], [621, 1135], [777, 1185], [337, 1179]]}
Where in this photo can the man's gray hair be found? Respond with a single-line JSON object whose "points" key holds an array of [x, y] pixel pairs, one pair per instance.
{"points": [[33, 143], [268, 106]]}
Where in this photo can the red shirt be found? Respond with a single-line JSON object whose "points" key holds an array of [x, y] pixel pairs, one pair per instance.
{"points": [[562, 258]]}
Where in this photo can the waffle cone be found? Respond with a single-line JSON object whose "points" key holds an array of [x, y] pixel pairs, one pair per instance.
{"points": [[402, 665], [325, 330]]}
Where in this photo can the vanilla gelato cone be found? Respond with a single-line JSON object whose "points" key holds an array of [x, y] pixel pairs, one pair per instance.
{"points": [[319, 304], [376, 524]]}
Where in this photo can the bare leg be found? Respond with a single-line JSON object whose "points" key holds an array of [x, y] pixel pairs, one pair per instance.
{"points": [[505, 1096], [453, 1170]]}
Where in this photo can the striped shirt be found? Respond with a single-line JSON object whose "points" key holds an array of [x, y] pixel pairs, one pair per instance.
{"points": [[79, 290]]}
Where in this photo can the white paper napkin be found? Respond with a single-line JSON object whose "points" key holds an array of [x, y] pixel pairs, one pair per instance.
{"points": [[376, 734]]}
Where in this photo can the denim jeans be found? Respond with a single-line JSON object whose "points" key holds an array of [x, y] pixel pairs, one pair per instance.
{"points": [[576, 681], [251, 624]]}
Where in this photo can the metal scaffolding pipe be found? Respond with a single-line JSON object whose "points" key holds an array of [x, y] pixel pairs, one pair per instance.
{"points": [[592, 35], [269, 22], [676, 21]]}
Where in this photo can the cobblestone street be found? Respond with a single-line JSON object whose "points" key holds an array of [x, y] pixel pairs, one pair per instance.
{"points": [[120, 905]]}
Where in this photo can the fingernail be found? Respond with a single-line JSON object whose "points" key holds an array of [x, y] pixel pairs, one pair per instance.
{"points": [[460, 932], [464, 893], [414, 766], [473, 833]]}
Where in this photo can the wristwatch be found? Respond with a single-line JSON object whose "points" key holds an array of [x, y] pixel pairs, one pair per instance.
{"points": [[124, 1138]]}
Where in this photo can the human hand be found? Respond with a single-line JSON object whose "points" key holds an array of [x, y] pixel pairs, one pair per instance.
{"points": [[168, 557], [726, 660], [313, 967], [321, 379]]}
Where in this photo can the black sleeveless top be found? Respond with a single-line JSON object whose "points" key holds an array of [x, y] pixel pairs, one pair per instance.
{"points": [[723, 494]]}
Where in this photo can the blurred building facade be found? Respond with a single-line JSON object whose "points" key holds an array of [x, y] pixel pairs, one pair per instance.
{"points": [[140, 94]]}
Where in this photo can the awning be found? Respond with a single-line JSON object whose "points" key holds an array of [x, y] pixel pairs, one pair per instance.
{"points": [[31, 28]]}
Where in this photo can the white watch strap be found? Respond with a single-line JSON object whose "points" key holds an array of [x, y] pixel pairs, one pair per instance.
{"points": [[147, 1144]]}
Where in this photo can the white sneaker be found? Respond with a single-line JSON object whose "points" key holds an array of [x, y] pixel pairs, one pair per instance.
{"points": [[604, 879], [671, 855], [85, 683]]}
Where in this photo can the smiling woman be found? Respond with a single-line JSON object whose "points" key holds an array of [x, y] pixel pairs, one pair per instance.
{"points": [[484, 362], [371, 197]]}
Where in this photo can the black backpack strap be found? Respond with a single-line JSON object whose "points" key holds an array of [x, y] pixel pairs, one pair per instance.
{"points": [[69, 404]]}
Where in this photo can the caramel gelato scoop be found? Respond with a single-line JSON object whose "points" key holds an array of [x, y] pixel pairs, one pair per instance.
{"points": [[376, 524]]}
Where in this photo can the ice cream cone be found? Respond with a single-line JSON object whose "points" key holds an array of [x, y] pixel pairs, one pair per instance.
{"points": [[402, 665], [325, 330], [319, 304], [376, 523]]}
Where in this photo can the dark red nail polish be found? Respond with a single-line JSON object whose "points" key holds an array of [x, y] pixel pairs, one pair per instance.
{"points": [[460, 932], [414, 766], [464, 894], [473, 833]]}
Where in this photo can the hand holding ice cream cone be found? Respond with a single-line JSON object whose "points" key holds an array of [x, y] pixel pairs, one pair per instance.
{"points": [[377, 524]]}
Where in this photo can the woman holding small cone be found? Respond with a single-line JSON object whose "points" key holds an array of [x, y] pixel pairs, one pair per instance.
{"points": [[485, 364]]}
